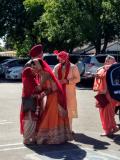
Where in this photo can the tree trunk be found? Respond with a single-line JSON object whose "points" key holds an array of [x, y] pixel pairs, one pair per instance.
{"points": [[98, 46], [104, 46]]}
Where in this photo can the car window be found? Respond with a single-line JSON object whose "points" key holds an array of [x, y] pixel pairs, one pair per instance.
{"points": [[51, 60], [6, 60], [87, 59], [82, 57], [22, 62], [74, 58], [117, 58], [101, 59], [94, 60], [3, 58], [13, 63]]}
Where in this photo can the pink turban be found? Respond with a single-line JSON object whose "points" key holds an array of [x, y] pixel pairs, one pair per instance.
{"points": [[36, 51], [63, 55]]}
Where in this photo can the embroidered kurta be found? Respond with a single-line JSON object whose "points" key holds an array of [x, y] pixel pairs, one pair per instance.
{"points": [[73, 77]]}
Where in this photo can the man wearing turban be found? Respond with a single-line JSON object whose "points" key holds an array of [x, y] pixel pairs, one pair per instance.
{"points": [[68, 75], [35, 52]]}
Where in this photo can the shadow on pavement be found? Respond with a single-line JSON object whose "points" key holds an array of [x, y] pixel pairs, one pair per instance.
{"points": [[9, 81], [97, 144], [115, 138], [67, 151]]}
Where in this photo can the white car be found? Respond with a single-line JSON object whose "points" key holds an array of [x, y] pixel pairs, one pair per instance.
{"points": [[14, 73], [52, 60], [93, 62]]}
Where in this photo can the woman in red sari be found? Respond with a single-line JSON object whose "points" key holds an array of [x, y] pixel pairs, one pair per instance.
{"points": [[28, 118], [53, 126], [107, 113]]}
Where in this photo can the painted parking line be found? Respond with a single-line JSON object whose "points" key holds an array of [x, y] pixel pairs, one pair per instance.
{"points": [[10, 149], [13, 146], [4, 122]]}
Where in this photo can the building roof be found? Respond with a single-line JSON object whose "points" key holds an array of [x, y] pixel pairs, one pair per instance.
{"points": [[8, 53], [113, 46]]}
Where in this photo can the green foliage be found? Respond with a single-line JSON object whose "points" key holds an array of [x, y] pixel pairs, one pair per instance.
{"points": [[58, 24], [23, 49], [99, 22], [1, 49], [12, 19]]}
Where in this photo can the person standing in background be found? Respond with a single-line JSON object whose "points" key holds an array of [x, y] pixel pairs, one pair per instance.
{"points": [[107, 112], [68, 75]]}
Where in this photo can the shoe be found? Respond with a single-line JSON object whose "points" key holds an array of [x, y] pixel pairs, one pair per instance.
{"points": [[73, 133], [106, 134]]}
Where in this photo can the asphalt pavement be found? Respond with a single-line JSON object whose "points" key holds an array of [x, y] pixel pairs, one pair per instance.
{"points": [[87, 143]]}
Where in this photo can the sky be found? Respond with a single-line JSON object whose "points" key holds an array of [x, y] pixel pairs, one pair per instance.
{"points": [[2, 43]]}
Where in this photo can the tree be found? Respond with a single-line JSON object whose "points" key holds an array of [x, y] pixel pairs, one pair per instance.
{"points": [[12, 20], [99, 22], [60, 25]]}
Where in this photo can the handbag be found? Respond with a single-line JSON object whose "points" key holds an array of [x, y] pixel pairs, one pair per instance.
{"points": [[29, 104], [101, 100]]}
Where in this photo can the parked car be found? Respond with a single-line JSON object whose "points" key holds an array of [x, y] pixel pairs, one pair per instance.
{"points": [[93, 62], [14, 73], [52, 60], [12, 63], [3, 58], [4, 63]]}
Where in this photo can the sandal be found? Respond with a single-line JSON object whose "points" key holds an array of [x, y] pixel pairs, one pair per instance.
{"points": [[115, 130]]}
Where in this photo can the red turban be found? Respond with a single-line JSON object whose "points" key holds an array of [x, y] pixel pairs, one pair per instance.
{"points": [[63, 55], [36, 51]]}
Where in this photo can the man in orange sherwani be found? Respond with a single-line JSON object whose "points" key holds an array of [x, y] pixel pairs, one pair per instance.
{"points": [[68, 75], [107, 113]]}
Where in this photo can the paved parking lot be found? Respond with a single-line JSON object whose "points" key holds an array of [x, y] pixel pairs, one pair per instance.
{"points": [[87, 142]]}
